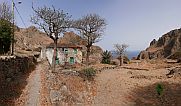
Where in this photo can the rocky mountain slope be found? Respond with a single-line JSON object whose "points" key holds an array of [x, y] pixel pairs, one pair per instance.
{"points": [[167, 46], [30, 38]]}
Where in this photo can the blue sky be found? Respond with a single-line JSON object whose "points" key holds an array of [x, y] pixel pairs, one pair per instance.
{"points": [[134, 22]]}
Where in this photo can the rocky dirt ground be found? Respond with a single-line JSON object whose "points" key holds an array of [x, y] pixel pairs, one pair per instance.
{"points": [[126, 86], [31, 93], [129, 85]]}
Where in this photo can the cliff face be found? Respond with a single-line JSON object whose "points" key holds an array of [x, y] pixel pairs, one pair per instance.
{"points": [[165, 47]]}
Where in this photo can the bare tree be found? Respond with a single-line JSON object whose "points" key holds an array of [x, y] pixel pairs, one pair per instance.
{"points": [[120, 50], [54, 22], [5, 11], [91, 28]]}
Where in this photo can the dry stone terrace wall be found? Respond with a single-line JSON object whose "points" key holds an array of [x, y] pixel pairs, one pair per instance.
{"points": [[14, 70], [11, 66]]}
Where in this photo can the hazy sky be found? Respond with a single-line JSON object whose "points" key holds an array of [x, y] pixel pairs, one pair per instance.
{"points": [[134, 22]]}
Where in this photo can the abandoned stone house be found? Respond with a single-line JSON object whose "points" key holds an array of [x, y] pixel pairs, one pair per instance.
{"points": [[66, 53]]}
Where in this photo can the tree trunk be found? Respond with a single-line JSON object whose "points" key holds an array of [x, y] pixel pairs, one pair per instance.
{"points": [[54, 56], [87, 55], [1, 46], [121, 60]]}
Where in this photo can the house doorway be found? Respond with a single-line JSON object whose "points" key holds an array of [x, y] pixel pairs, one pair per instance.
{"points": [[72, 60]]}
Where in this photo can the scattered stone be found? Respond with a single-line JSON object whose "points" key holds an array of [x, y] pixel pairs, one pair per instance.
{"points": [[55, 96], [70, 72], [175, 72], [50, 71], [65, 90], [129, 72], [141, 77]]}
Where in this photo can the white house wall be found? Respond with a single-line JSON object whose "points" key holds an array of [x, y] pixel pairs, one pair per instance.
{"points": [[43, 53], [79, 57], [62, 57], [49, 54]]}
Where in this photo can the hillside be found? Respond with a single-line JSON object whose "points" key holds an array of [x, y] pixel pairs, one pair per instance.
{"points": [[30, 38], [167, 46]]}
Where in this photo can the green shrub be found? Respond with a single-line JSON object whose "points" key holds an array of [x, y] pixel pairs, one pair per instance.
{"points": [[88, 73], [106, 57], [159, 89], [5, 36]]}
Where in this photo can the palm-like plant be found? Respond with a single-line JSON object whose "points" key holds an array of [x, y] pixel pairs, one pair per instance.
{"points": [[106, 57]]}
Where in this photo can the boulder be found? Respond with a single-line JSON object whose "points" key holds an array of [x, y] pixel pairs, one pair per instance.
{"points": [[55, 96], [143, 55]]}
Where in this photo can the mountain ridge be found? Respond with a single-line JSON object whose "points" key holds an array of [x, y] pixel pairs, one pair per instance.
{"points": [[166, 46]]}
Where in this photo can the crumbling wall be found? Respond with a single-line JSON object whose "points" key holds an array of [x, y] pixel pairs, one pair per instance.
{"points": [[11, 66], [14, 71]]}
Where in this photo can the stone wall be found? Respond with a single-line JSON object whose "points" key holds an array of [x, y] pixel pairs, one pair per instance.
{"points": [[11, 66], [14, 70]]}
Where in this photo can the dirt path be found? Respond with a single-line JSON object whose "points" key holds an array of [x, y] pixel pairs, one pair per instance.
{"points": [[112, 89], [31, 93], [34, 85]]}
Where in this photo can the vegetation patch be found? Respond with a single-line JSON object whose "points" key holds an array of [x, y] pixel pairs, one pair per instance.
{"points": [[158, 94], [106, 57], [88, 73], [5, 36], [159, 89]]}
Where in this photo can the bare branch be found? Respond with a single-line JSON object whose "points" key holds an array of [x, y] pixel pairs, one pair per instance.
{"points": [[91, 27], [120, 48], [51, 20], [5, 11]]}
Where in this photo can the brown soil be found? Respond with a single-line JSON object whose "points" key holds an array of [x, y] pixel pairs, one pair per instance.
{"points": [[118, 86], [147, 96], [131, 87]]}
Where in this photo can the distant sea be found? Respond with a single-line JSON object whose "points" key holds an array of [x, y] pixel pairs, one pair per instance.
{"points": [[130, 54]]}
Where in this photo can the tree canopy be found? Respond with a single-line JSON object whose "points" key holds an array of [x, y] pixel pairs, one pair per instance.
{"points": [[120, 50], [91, 28], [5, 11], [5, 36], [54, 22]]}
